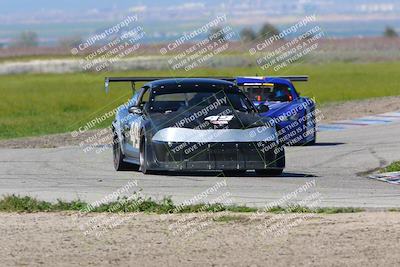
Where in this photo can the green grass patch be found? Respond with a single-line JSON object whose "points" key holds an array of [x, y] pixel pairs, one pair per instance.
{"points": [[302, 209], [28, 204], [290, 209], [229, 218], [338, 210], [14, 203], [40, 104], [393, 167], [394, 209]]}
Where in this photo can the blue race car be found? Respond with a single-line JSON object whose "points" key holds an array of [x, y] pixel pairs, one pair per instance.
{"points": [[295, 115]]}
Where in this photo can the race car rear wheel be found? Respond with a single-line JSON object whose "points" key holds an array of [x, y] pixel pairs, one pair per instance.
{"points": [[118, 157]]}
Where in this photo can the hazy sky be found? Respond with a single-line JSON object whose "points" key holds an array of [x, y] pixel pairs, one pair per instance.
{"points": [[29, 5], [18, 6]]}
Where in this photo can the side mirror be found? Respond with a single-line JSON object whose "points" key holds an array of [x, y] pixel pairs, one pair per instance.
{"points": [[262, 108], [135, 110]]}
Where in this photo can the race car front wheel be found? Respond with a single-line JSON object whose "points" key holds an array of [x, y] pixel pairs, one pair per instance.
{"points": [[310, 130], [272, 172], [142, 157], [234, 173], [313, 140]]}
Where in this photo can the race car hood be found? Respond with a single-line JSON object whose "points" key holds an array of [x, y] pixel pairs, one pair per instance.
{"points": [[220, 125], [198, 118]]}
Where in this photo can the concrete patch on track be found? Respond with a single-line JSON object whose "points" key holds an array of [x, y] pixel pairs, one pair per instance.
{"points": [[389, 177], [379, 119]]}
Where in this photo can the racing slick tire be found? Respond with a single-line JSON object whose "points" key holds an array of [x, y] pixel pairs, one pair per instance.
{"points": [[312, 142], [314, 134], [118, 157], [143, 157], [233, 173], [272, 172]]}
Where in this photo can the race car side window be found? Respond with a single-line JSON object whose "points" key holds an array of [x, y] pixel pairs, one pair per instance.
{"points": [[144, 96], [135, 98]]}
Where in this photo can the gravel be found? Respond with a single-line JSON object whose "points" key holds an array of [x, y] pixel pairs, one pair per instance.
{"points": [[55, 239]]}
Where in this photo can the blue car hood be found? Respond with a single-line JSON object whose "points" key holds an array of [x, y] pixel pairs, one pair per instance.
{"points": [[275, 108]]}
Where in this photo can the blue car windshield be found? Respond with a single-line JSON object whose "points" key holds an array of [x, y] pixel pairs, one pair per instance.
{"points": [[279, 93], [170, 101]]}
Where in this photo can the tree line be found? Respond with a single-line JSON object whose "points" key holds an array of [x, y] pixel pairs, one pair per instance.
{"points": [[247, 34]]}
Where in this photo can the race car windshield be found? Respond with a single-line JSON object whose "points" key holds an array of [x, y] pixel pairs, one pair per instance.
{"points": [[164, 102], [274, 92]]}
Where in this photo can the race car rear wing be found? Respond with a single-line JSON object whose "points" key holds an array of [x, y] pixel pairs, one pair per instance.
{"points": [[133, 80]]}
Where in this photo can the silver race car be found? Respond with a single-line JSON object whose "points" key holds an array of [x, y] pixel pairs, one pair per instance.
{"points": [[194, 124]]}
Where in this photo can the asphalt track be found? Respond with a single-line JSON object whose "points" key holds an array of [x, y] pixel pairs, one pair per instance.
{"points": [[335, 163]]}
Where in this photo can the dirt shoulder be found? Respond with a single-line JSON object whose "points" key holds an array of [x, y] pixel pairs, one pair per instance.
{"points": [[359, 108], [331, 112], [58, 140], [55, 239]]}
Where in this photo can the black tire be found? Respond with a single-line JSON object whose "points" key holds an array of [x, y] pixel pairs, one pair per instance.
{"points": [[118, 157], [142, 157], [271, 172], [312, 141], [233, 173]]}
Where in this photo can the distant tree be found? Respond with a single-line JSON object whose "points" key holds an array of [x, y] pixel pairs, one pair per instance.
{"points": [[390, 32], [268, 30], [216, 33], [27, 39], [70, 41], [248, 35]]}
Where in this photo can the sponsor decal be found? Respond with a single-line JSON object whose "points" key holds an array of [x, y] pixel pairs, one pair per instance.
{"points": [[219, 120]]}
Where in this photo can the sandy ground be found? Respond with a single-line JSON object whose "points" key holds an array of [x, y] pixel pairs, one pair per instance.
{"points": [[55, 239]]}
